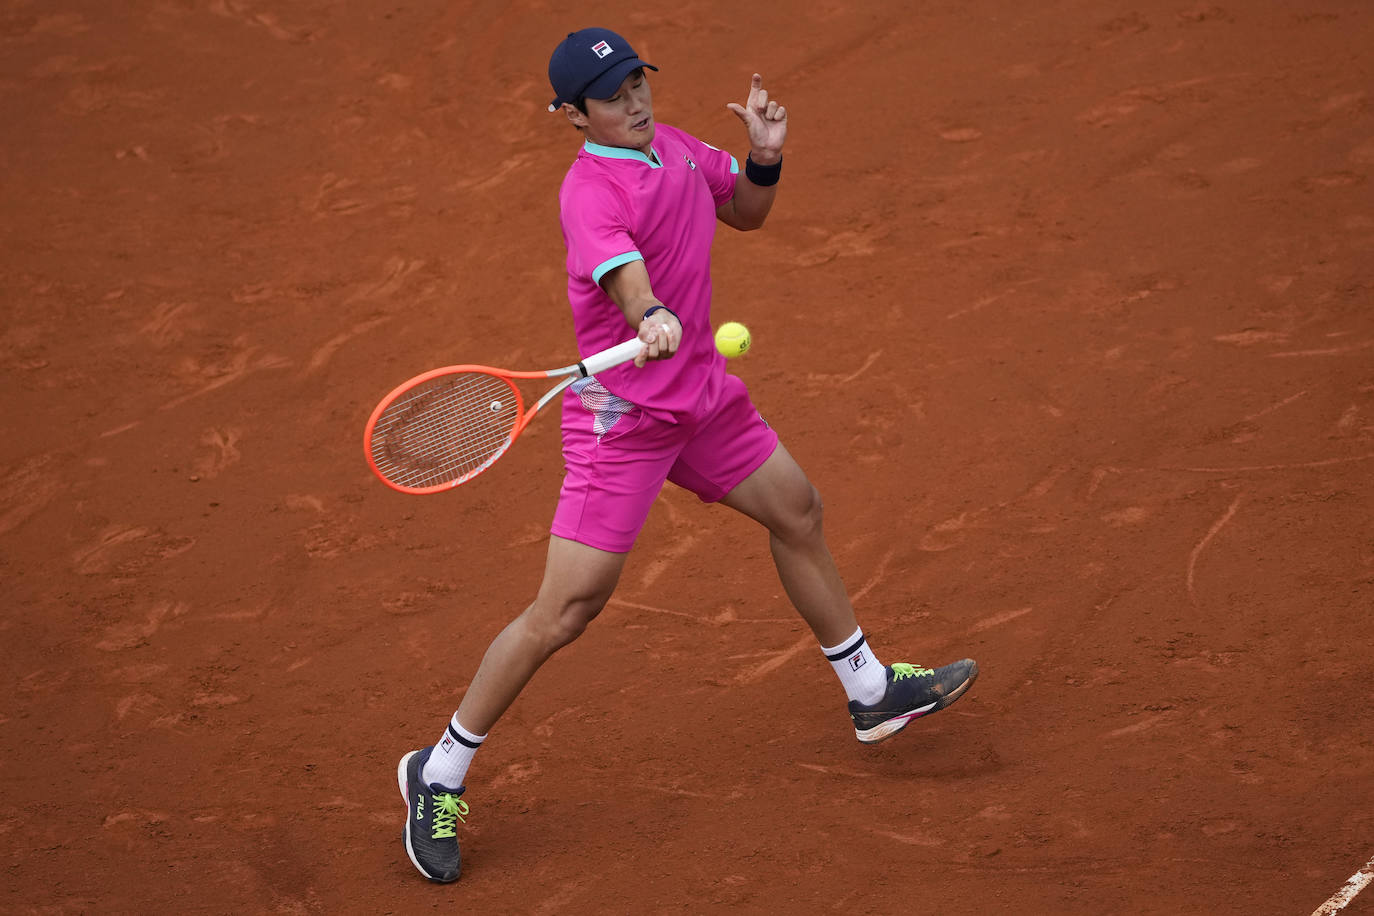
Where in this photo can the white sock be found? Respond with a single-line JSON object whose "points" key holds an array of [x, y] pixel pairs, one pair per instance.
{"points": [[448, 762], [863, 676]]}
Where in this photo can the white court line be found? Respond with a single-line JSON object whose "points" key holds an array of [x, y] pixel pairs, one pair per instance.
{"points": [[1356, 883]]}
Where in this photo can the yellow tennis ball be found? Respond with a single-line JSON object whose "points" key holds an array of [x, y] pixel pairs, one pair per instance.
{"points": [[732, 339]]}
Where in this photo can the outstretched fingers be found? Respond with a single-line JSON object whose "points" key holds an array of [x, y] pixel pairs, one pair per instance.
{"points": [[764, 118]]}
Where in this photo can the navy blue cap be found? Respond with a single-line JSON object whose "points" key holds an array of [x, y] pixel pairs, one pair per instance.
{"points": [[591, 63]]}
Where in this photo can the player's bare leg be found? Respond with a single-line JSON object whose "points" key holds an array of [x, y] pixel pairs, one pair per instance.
{"points": [[780, 497], [882, 700], [578, 581]]}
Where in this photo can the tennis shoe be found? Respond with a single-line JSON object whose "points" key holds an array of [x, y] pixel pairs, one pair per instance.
{"points": [[431, 814], [912, 692]]}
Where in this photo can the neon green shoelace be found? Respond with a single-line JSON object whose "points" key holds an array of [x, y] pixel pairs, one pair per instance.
{"points": [[903, 670], [448, 808]]}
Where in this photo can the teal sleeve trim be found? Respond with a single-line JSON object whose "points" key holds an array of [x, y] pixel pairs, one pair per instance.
{"points": [[734, 166], [608, 266]]}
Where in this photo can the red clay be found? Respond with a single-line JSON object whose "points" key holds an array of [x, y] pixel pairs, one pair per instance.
{"points": [[1065, 308]]}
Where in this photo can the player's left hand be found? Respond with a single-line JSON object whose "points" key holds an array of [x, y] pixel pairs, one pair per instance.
{"points": [[766, 122]]}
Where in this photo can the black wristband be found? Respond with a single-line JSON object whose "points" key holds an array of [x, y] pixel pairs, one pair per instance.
{"points": [[665, 308], [765, 176]]}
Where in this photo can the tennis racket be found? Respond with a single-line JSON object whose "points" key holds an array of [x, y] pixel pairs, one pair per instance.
{"points": [[445, 427]]}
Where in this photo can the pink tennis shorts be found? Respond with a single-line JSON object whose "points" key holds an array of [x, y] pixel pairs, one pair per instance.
{"points": [[617, 458]]}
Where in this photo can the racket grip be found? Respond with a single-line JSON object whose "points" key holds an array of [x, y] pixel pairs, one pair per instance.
{"points": [[606, 359]]}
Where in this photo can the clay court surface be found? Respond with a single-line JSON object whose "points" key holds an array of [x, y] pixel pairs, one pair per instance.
{"points": [[1066, 308]]}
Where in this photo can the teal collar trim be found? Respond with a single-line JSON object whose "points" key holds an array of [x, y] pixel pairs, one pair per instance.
{"points": [[620, 152]]}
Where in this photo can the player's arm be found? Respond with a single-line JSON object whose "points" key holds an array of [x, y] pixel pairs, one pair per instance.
{"points": [[766, 122], [629, 288]]}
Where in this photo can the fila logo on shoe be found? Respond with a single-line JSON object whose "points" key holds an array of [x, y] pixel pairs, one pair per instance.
{"points": [[420, 808]]}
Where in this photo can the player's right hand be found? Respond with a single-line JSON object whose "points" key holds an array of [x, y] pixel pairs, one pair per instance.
{"points": [[661, 334]]}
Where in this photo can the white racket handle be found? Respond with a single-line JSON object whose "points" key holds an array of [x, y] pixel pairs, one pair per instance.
{"points": [[606, 359]]}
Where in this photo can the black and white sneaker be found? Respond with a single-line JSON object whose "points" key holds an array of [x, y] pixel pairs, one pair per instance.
{"points": [[912, 692], [431, 833]]}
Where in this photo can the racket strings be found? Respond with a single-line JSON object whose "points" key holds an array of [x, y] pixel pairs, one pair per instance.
{"points": [[445, 429]]}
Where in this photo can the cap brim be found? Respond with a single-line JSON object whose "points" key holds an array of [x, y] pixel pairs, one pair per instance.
{"points": [[605, 85]]}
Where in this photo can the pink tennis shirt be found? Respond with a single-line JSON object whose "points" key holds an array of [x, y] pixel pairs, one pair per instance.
{"points": [[619, 205]]}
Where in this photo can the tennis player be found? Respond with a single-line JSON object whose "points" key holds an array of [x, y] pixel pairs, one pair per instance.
{"points": [[639, 208]]}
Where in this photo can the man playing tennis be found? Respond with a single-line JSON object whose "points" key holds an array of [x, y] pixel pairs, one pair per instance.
{"points": [[639, 207]]}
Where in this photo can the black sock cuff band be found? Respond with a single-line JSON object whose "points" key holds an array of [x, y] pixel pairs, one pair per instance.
{"points": [[847, 650], [465, 742]]}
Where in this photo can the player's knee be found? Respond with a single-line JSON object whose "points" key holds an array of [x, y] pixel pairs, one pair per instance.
{"points": [[575, 618], [804, 519], [567, 621]]}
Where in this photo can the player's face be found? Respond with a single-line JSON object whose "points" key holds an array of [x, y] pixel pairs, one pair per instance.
{"points": [[626, 119]]}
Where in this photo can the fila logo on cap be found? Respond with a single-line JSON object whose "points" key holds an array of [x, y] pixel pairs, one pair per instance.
{"points": [[601, 49]]}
